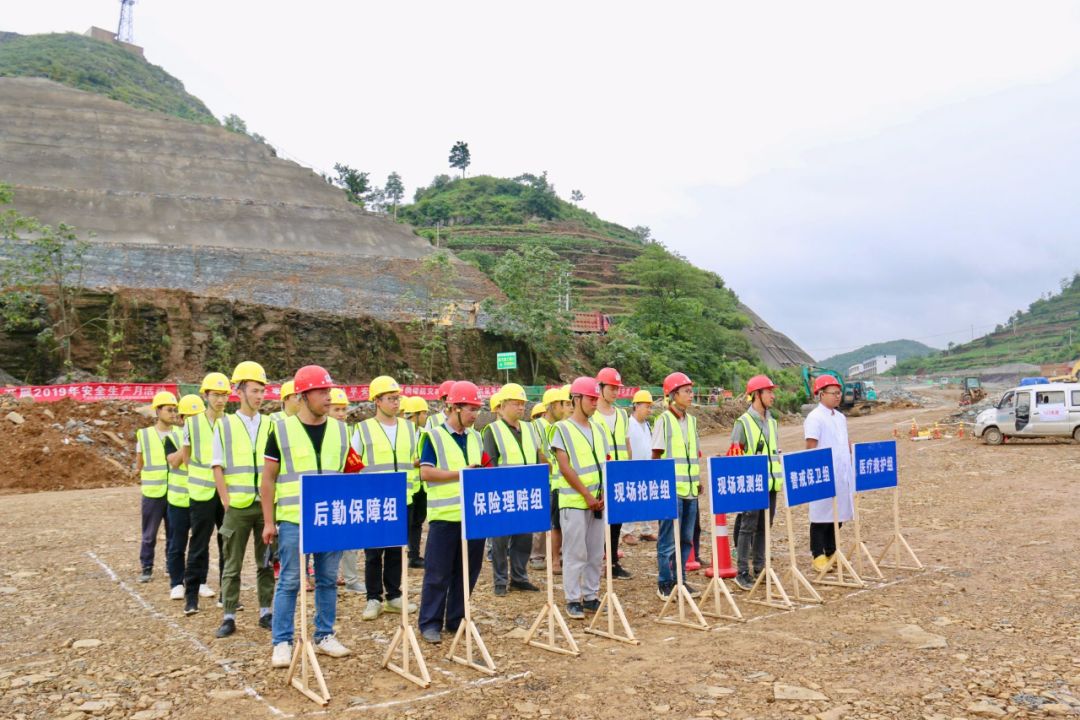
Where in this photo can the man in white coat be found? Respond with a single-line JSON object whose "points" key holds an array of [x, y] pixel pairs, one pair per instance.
{"points": [[826, 427]]}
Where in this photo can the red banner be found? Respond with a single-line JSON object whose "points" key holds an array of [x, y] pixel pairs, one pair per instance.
{"points": [[89, 392]]}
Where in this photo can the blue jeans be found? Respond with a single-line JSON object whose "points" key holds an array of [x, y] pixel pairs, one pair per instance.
{"points": [[665, 542], [326, 568]]}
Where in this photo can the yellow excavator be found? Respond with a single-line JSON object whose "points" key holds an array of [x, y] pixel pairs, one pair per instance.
{"points": [[1073, 375]]}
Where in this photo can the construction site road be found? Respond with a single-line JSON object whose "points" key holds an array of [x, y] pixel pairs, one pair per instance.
{"points": [[990, 628]]}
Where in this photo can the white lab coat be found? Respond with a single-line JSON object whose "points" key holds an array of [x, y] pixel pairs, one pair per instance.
{"points": [[829, 428]]}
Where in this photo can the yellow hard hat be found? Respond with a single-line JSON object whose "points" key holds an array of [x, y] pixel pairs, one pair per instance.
{"points": [[338, 397], [249, 370], [413, 405], [513, 391], [496, 400], [382, 385], [288, 388], [191, 405], [556, 395], [643, 396], [538, 409], [215, 382], [163, 398], [566, 389]]}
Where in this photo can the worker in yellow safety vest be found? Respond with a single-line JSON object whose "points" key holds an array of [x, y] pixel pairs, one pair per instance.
{"points": [[205, 508], [755, 433], [239, 448], [290, 402], [615, 423], [385, 443], [509, 440], [179, 510], [676, 437], [555, 407], [152, 468], [581, 450], [446, 450], [415, 410], [350, 559], [308, 443]]}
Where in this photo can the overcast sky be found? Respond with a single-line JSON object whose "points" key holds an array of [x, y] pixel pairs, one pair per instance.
{"points": [[856, 171]]}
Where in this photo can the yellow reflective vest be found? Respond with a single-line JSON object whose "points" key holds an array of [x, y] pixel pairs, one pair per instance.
{"points": [[758, 444], [380, 456], [154, 476], [510, 452], [444, 498], [684, 450], [298, 457], [178, 485], [243, 462], [587, 456], [617, 441], [201, 485]]}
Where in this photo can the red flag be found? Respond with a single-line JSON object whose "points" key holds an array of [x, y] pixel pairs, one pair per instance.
{"points": [[353, 463], [735, 449], [485, 460]]}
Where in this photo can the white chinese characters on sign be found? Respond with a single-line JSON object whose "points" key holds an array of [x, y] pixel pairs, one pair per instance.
{"points": [[357, 512], [803, 479], [876, 465], [641, 490], [507, 501], [739, 484]]}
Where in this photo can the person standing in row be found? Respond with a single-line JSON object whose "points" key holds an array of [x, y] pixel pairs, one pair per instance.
{"points": [[581, 450], [510, 441], [639, 438], [350, 559], [385, 443], [415, 410], [152, 467], [756, 434], [179, 510], [556, 404], [826, 427], [676, 437], [206, 510], [238, 461], [447, 450], [290, 402], [613, 421], [308, 443]]}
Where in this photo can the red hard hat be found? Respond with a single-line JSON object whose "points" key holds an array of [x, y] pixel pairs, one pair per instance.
{"points": [[312, 377], [586, 386], [676, 380], [463, 392], [609, 376], [444, 389], [824, 381], [759, 382]]}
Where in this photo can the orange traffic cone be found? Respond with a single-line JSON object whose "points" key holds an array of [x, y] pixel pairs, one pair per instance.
{"points": [[692, 564], [722, 550]]}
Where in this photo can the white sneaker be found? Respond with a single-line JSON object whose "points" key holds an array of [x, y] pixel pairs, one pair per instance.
{"points": [[329, 645], [206, 591], [394, 606], [282, 657], [177, 592], [372, 610]]}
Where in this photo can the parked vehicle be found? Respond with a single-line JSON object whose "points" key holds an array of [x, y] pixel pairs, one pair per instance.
{"points": [[1030, 411]]}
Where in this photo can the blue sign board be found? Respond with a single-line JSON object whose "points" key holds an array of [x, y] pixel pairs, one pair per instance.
{"points": [[505, 500], [809, 476], [640, 490], [739, 483], [875, 465], [347, 511]]}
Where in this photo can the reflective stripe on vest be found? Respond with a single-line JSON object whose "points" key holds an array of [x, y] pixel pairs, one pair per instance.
{"points": [[298, 458], [444, 498], [510, 453], [435, 421], [684, 451], [616, 438], [178, 485], [201, 485], [243, 463], [380, 456], [586, 458], [754, 438], [154, 475], [547, 429]]}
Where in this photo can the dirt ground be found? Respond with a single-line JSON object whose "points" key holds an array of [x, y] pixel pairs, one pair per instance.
{"points": [[990, 628]]}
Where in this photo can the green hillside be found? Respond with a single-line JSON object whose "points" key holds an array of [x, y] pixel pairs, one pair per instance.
{"points": [[902, 349], [100, 67], [1047, 332]]}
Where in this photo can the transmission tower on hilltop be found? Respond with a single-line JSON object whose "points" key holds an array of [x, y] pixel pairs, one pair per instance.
{"points": [[125, 31]]}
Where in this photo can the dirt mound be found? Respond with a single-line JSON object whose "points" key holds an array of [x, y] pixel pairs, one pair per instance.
{"points": [[67, 445]]}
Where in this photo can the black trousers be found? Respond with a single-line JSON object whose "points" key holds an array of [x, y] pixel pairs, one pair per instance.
{"points": [[750, 537], [616, 533], [382, 573], [822, 539], [442, 601], [205, 517], [180, 525], [417, 515]]}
